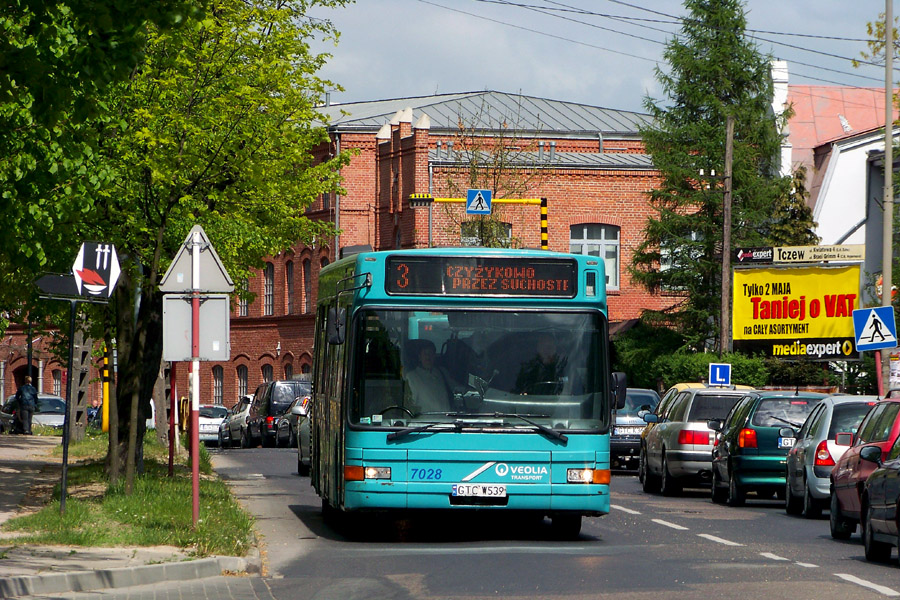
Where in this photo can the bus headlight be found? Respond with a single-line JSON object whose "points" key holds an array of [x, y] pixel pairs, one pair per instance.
{"points": [[587, 476], [378, 472]]}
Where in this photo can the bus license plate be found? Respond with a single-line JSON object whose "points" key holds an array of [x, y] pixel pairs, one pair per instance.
{"points": [[466, 489], [785, 442]]}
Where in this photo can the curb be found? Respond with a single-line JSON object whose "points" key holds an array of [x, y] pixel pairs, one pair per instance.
{"points": [[81, 581]]}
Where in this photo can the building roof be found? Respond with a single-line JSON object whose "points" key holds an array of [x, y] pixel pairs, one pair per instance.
{"points": [[490, 109], [825, 114]]}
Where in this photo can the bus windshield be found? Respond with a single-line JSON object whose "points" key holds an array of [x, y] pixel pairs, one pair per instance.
{"points": [[465, 367]]}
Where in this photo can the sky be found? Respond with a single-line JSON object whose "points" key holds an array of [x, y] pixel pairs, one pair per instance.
{"points": [[596, 52]]}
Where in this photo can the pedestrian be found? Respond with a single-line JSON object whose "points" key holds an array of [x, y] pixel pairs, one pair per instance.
{"points": [[26, 403]]}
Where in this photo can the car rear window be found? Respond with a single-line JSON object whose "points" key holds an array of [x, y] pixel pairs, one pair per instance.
{"points": [[847, 417], [778, 412], [51, 406], [284, 395], [635, 400], [213, 412], [711, 406]]}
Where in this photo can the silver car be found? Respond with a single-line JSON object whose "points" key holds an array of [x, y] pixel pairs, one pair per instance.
{"points": [[50, 412], [677, 450], [235, 425], [817, 447]]}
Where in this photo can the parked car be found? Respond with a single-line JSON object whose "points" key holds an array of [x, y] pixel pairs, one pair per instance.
{"points": [[625, 441], [299, 417], [749, 452], [235, 424], [50, 412], [809, 462], [297, 411], [211, 416], [676, 450], [880, 427], [267, 422], [878, 508]]}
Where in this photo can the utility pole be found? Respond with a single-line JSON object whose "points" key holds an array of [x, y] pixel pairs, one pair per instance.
{"points": [[725, 323], [887, 250]]}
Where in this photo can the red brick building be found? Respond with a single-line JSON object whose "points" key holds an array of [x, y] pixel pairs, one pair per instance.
{"points": [[588, 162]]}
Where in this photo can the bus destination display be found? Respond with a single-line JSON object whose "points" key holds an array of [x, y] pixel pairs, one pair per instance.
{"points": [[469, 276]]}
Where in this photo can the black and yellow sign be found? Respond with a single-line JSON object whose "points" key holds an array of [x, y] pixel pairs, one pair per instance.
{"points": [[802, 312]]}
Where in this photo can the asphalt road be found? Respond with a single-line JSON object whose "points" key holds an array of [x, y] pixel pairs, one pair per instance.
{"points": [[648, 547]]}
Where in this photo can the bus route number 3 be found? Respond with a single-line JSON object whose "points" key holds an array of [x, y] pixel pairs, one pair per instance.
{"points": [[402, 277], [424, 474]]}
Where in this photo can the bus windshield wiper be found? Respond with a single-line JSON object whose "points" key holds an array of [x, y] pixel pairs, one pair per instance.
{"points": [[455, 426], [551, 433]]}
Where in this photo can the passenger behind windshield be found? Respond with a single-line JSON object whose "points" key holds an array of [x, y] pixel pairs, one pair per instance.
{"points": [[430, 386]]}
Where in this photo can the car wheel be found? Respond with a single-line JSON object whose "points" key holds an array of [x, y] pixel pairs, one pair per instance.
{"points": [[245, 437], [792, 504], [221, 439], [717, 492], [565, 526], [841, 528], [736, 495], [875, 551], [668, 486], [650, 482], [811, 507]]}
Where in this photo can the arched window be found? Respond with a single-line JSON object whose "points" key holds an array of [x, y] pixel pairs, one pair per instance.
{"points": [[307, 286], [289, 285], [267, 373], [323, 263], [242, 380], [305, 369], [596, 239], [269, 291], [288, 371], [218, 384]]}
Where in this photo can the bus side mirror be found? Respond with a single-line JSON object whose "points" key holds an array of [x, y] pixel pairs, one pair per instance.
{"points": [[619, 387], [336, 329]]}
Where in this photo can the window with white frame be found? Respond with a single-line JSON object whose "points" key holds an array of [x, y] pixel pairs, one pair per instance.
{"points": [[57, 382], [218, 384], [307, 285], [242, 380], [243, 304], [269, 290], [602, 241]]}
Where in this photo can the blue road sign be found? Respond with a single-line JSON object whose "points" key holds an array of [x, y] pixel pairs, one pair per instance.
{"points": [[719, 374], [875, 328], [478, 202]]}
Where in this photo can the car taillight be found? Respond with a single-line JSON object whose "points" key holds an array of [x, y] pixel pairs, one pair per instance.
{"points": [[270, 422], [687, 436], [823, 456], [747, 438]]}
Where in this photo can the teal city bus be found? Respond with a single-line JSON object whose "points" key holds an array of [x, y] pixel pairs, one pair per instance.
{"points": [[464, 378]]}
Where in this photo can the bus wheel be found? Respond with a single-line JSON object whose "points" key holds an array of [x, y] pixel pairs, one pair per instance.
{"points": [[565, 526]]}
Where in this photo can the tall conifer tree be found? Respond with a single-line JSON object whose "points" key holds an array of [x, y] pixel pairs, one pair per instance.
{"points": [[714, 71]]}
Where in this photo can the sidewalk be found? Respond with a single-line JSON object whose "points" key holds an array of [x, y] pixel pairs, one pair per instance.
{"points": [[28, 473]]}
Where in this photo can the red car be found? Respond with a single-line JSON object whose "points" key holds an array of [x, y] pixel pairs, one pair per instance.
{"points": [[880, 427]]}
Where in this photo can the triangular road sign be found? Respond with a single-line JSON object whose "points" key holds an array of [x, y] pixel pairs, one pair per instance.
{"points": [[213, 276]]}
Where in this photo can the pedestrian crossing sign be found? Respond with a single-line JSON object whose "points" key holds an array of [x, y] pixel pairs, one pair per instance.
{"points": [[875, 328], [478, 202]]}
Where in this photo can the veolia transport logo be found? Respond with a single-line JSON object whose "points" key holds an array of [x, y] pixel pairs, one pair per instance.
{"points": [[96, 269]]}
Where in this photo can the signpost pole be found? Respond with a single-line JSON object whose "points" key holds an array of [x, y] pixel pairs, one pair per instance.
{"points": [[173, 410], [887, 248], [67, 419], [195, 377]]}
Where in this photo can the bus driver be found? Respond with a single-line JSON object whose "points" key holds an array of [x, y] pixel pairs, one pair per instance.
{"points": [[431, 387]]}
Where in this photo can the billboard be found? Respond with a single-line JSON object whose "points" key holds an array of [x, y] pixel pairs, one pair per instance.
{"points": [[801, 313]]}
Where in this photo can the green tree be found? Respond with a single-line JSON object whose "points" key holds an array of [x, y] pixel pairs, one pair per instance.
{"points": [[715, 72], [794, 225], [217, 125]]}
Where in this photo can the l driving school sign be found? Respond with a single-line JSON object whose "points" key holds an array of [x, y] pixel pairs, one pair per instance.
{"points": [[799, 313]]}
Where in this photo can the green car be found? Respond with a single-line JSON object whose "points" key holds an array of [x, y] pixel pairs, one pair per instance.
{"points": [[749, 454]]}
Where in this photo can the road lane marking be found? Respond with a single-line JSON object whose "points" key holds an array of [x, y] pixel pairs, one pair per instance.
{"points": [[672, 525], [624, 510], [773, 556], [807, 565], [868, 584], [718, 540]]}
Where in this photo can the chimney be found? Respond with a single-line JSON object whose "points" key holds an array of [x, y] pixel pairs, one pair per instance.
{"points": [[541, 151], [552, 151]]}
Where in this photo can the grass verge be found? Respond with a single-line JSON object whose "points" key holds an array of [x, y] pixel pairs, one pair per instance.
{"points": [[158, 512]]}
